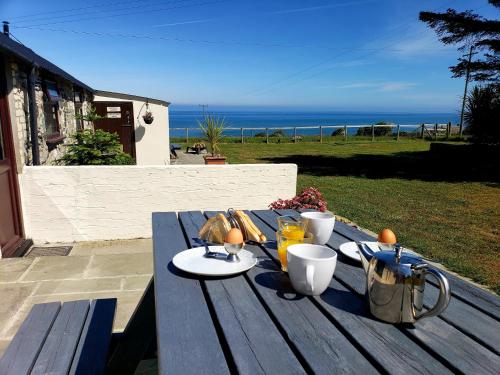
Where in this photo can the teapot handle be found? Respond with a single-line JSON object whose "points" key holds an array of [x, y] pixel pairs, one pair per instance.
{"points": [[444, 294]]}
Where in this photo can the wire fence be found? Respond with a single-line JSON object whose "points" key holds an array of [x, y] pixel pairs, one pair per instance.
{"points": [[322, 133]]}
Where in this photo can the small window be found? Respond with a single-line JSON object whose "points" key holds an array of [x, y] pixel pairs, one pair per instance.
{"points": [[78, 97], [52, 91], [51, 119]]}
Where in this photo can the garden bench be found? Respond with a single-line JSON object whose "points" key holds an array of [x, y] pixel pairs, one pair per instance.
{"points": [[197, 150], [62, 338]]}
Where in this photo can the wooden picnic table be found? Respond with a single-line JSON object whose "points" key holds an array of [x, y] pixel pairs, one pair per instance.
{"points": [[255, 323]]}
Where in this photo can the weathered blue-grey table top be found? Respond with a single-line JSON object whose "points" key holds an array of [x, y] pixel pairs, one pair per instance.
{"points": [[255, 323]]}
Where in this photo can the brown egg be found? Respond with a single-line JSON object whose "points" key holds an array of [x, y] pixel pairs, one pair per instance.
{"points": [[387, 236], [234, 236]]}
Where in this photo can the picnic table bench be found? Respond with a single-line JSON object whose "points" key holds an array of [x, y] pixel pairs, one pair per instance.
{"points": [[197, 150], [255, 323], [57, 339]]}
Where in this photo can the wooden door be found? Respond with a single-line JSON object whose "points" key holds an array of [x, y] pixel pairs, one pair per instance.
{"points": [[119, 119], [11, 232]]}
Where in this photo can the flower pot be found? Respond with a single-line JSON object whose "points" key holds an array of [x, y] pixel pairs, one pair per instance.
{"points": [[148, 120], [214, 159]]}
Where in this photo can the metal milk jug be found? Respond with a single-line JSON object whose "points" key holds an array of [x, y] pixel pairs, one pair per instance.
{"points": [[395, 285]]}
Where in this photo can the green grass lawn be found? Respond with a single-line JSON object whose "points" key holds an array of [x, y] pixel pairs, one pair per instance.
{"points": [[445, 204]]}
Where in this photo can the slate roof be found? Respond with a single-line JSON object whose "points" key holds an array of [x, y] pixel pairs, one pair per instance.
{"points": [[8, 45]]}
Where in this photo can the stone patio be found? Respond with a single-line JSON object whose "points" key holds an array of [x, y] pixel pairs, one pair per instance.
{"points": [[120, 269]]}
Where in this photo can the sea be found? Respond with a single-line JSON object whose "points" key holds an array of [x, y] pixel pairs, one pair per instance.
{"points": [[279, 119]]}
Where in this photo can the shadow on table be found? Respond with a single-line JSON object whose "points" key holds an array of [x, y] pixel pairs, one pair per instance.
{"points": [[336, 297], [177, 272]]}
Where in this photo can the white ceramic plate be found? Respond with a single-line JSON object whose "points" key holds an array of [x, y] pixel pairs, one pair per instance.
{"points": [[350, 249], [194, 261]]}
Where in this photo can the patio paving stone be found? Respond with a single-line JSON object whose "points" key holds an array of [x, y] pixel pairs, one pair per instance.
{"points": [[13, 298], [136, 282], [143, 245], [119, 264], [3, 345], [11, 269], [107, 269], [57, 267], [79, 286]]}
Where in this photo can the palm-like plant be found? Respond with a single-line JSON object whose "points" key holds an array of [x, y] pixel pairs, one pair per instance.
{"points": [[213, 130], [482, 112]]}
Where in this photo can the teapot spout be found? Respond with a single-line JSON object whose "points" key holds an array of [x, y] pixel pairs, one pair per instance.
{"points": [[366, 255]]}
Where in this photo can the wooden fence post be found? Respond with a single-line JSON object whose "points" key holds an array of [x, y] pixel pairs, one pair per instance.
{"points": [[422, 132], [320, 134], [294, 135], [435, 132], [345, 133], [397, 135], [187, 135], [241, 135], [448, 130], [267, 135], [373, 133]]}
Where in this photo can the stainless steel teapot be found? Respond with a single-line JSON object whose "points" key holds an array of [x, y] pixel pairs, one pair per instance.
{"points": [[395, 284]]}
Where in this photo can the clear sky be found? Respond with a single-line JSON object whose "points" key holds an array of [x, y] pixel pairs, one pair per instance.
{"points": [[370, 55]]}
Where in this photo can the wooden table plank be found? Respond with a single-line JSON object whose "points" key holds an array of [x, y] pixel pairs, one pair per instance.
{"points": [[313, 336], [187, 339], [21, 354], [384, 341], [449, 343], [243, 319], [59, 348]]}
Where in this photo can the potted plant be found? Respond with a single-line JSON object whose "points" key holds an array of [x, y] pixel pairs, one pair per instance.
{"points": [[148, 117], [213, 128]]}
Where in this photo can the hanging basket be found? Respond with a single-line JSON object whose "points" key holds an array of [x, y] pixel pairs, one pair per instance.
{"points": [[148, 117]]}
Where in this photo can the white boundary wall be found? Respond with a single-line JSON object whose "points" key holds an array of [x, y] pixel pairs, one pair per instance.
{"points": [[85, 203]]}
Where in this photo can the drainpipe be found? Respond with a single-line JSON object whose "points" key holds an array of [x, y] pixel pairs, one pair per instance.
{"points": [[33, 115]]}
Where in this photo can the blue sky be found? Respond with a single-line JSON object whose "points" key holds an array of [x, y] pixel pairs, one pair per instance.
{"points": [[363, 55]]}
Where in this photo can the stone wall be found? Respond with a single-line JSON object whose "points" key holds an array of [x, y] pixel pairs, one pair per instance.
{"points": [[66, 115], [84, 203]]}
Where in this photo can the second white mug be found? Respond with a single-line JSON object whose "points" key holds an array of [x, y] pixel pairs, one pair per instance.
{"points": [[319, 224]]}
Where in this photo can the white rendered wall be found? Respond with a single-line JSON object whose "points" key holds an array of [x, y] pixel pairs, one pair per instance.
{"points": [[84, 203], [152, 144]]}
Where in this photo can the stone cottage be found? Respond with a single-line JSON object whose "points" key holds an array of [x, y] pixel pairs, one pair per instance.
{"points": [[53, 96], [39, 108]]}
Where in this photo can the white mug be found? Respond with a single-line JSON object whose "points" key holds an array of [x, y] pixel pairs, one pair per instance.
{"points": [[310, 267], [319, 224]]}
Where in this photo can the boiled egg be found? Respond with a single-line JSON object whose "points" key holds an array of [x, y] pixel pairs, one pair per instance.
{"points": [[234, 236], [387, 236]]}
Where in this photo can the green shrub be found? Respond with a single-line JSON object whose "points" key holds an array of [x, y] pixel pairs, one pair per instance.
{"points": [[278, 133], [338, 132], [378, 131], [95, 147], [482, 114], [260, 134]]}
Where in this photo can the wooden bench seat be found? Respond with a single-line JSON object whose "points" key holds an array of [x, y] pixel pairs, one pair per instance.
{"points": [[68, 338]]}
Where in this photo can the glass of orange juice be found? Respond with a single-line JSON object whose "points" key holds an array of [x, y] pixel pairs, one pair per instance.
{"points": [[282, 243], [283, 240], [291, 227]]}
